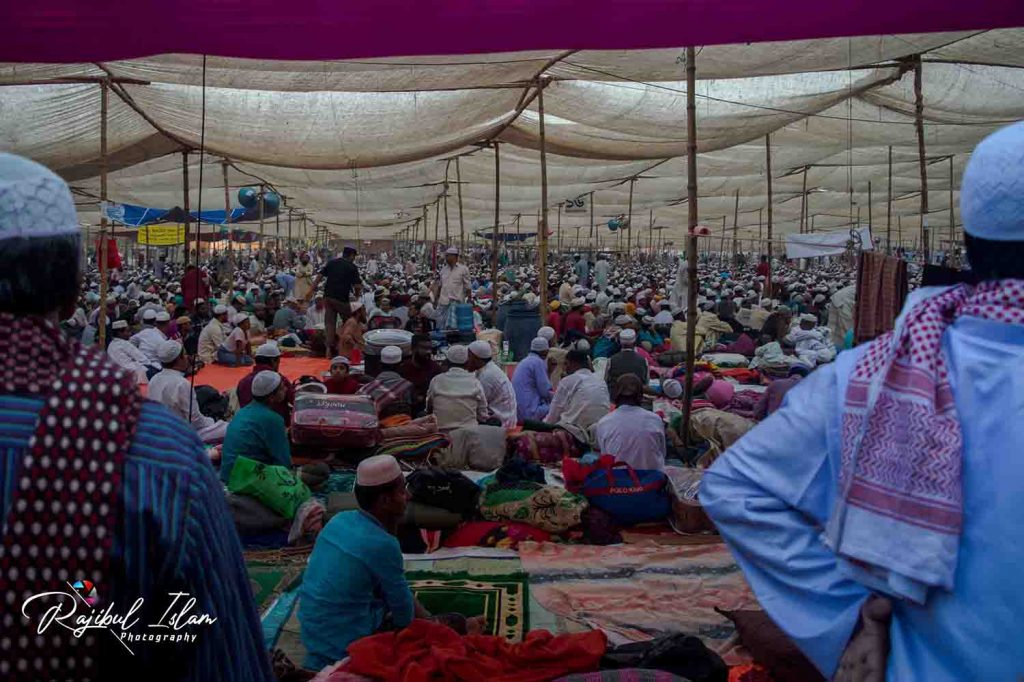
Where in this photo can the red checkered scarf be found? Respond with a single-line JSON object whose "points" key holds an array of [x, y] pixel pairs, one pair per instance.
{"points": [[899, 512], [65, 510]]}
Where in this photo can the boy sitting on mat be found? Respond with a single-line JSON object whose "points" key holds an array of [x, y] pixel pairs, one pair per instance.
{"points": [[355, 584]]}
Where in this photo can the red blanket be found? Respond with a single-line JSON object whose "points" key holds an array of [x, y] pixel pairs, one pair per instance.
{"points": [[427, 651]]}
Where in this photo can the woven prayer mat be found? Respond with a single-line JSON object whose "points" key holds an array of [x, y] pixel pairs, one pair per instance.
{"points": [[268, 580], [502, 599]]}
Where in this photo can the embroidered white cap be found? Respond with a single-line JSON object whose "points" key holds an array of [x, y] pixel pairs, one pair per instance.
{"points": [[265, 383]]}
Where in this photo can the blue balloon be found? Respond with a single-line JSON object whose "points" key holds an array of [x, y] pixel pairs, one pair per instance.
{"points": [[248, 197], [613, 224], [271, 202]]}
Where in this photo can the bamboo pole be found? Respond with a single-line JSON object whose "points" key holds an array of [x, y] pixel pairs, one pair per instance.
{"points": [[559, 228], [952, 217], [768, 163], [888, 208], [736, 226], [462, 222], [650, 230], [919, 126], [803, 203], [629, 218], [542, 249], [437, 220], [262, 246], [101, 252], [494, 233], [277, 235], [759, 224], [721, 246], [444, 198], [591, 202], [870, 222], [186, 206], [691, 237], [290, 259], [227, 215]]}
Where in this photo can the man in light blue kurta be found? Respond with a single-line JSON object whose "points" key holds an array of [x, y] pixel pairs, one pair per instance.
{"points": [[531, 383], [772, 494]]}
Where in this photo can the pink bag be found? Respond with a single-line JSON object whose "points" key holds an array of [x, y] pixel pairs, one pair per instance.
{"points": [[545, 447]]}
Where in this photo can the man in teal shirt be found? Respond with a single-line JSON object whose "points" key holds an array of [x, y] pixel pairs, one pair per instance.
{"points": [[356, 576], [257, 431]]}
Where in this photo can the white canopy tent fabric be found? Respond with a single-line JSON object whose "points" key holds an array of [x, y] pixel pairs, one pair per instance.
{"points": [[360, 147]]}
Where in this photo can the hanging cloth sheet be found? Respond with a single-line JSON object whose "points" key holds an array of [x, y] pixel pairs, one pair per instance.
{"points": [[881, 289]]}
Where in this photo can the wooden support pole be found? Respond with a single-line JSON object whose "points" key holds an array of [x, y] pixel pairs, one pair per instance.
{"points": [[888, 209], [952, 219], [227, 216], [736, 226], [462, 222], [721, 246], [262, 246], [803, 203], [542, 242], [591, 202], [277, 235], [919, 126], [101, 252], [768, 174], [629, 218], [497, 214], [558, 228], [869, 211], [691, 237], [290, 211], [437, 219], [650, 229], [187, 207], [444, 198], [760, 223]]}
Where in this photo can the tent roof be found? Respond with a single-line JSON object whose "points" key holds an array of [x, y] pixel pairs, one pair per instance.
{"points": [[362, 146]]}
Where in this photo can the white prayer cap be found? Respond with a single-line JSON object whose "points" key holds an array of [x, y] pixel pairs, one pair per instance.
{"points": [[391, 355], [530, 299], [539, 345], [577, 302], [119, 324], [481, 349], [547, 333], [168, 351], [627, 337], [265, 383], [581, 345], [807, 317], [377, 470], [672, 388], [623, 319], [457, 354], [34, 201], [340, 360], [451, 251], [149, 315], [163, 316], [992, 189], [269, 349], [220, 309], [663, 317], [239, 318]]}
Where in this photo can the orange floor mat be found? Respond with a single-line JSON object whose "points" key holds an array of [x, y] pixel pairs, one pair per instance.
{"points": [[223, 378]]}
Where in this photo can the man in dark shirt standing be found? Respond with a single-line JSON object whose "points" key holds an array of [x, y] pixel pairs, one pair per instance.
{"points": [[342, 279], [420, 369]]}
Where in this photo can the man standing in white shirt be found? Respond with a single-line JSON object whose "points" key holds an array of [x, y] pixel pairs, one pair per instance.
{"points": [[456, 398], [171, 388], [631, 434], [214, 334], [581, 399], [151, 335], [453, 285], [498, 390], [125, 354]]}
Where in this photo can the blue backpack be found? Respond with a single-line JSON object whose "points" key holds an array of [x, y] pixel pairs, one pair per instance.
{"points": [[628, 495]]}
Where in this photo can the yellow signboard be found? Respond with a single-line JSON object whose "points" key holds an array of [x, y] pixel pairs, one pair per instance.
{"points": [[162, 235]]}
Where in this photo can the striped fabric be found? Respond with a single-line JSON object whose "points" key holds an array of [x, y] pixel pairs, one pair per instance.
{"points": [[178, 536]]}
